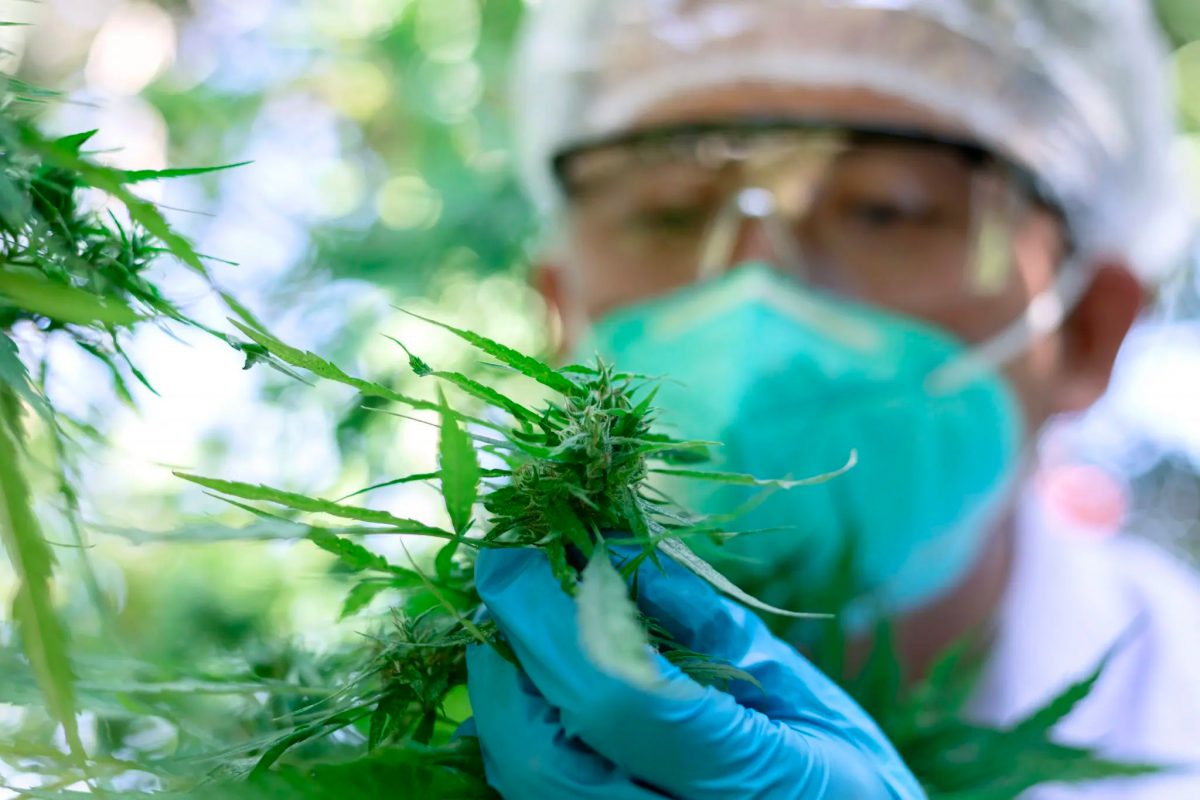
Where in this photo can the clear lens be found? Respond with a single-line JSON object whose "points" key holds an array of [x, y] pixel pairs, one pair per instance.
{"points": [[916, 226]]}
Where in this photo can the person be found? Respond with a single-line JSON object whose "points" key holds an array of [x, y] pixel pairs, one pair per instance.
{"points": [[915, 230]]}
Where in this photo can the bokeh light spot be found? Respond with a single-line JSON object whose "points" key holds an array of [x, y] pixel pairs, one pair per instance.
{"points": [[456, 89], [448, 30], [354, 20], [134, 46], [357, 89], [407, 202], [342, 186]]}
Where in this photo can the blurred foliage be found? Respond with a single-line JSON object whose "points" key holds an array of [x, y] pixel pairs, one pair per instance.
{"points": [[1181, 19], [415, 94], [67, 270]]}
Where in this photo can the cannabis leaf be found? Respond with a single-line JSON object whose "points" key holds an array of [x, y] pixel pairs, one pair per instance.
{"points": [[459, 470]]}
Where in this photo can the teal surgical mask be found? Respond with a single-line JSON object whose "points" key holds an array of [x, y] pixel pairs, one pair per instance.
{"points": [[791, 381]]}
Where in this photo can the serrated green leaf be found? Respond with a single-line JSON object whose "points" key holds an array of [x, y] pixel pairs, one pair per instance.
{"points": [[708, 671], [141, 175], [487, 394], [417, 365], [609, 629], [567, 524], [360, 596], [15, 376], [643, 408], [526, 365], [264, 530], [739, 479], [329, 371], [422, 476], [460, 470], [24, 90], [683, 554], [443, 562], [880, 681], [352, 554], [556, 553], [299, 502], [138, 375], [1040, 722], [245, 314], [74, 141], [110, 180]]}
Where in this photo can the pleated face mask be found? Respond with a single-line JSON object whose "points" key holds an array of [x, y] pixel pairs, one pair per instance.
{"points": [[791, 382]]}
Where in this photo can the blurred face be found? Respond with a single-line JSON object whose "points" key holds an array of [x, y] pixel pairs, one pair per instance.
{"points": [[895, 224]]}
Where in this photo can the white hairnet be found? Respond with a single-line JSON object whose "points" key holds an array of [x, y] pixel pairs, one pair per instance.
{"points": [[1076, 90]]}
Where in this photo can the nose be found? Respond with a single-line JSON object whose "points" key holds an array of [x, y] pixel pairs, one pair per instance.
{"points": [[750, 229], [753, 243]]}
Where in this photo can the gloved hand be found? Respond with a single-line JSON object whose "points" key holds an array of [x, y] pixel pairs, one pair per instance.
{"points": [[559, 727]]}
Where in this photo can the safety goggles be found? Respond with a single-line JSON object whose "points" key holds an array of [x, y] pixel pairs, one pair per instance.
{"points": [[893, 216]]}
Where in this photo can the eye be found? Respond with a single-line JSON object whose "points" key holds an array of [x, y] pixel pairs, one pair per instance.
{"points": [[668, 219], [890, 213]]}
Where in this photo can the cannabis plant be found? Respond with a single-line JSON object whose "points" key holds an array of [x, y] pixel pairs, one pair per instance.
{"points": [[572, 477], [66, 270]]}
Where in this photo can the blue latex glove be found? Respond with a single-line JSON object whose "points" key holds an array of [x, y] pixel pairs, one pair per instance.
{"points": [[561, 728]]}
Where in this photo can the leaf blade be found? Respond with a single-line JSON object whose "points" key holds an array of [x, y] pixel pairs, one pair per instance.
{"points": [[740, 479], [683, 554], [299, 502], [526, 365], [460, 470], [323, 368]]}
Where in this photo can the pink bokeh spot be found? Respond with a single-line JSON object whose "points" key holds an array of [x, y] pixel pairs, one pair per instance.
{"points": [[1085, 497]]}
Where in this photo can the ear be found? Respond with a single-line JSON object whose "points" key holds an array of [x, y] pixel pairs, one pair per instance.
{"points": [[1093, 333]]}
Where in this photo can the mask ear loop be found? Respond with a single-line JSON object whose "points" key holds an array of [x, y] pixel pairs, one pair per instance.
{"points": [[1045, 314]]}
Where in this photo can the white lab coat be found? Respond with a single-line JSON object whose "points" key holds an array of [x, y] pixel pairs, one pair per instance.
{"points": [[1073, 595]]}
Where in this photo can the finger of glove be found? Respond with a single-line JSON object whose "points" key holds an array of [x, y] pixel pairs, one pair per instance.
{"points": [[792, 690], [700, 619], [526, 752], [685, 739]]}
